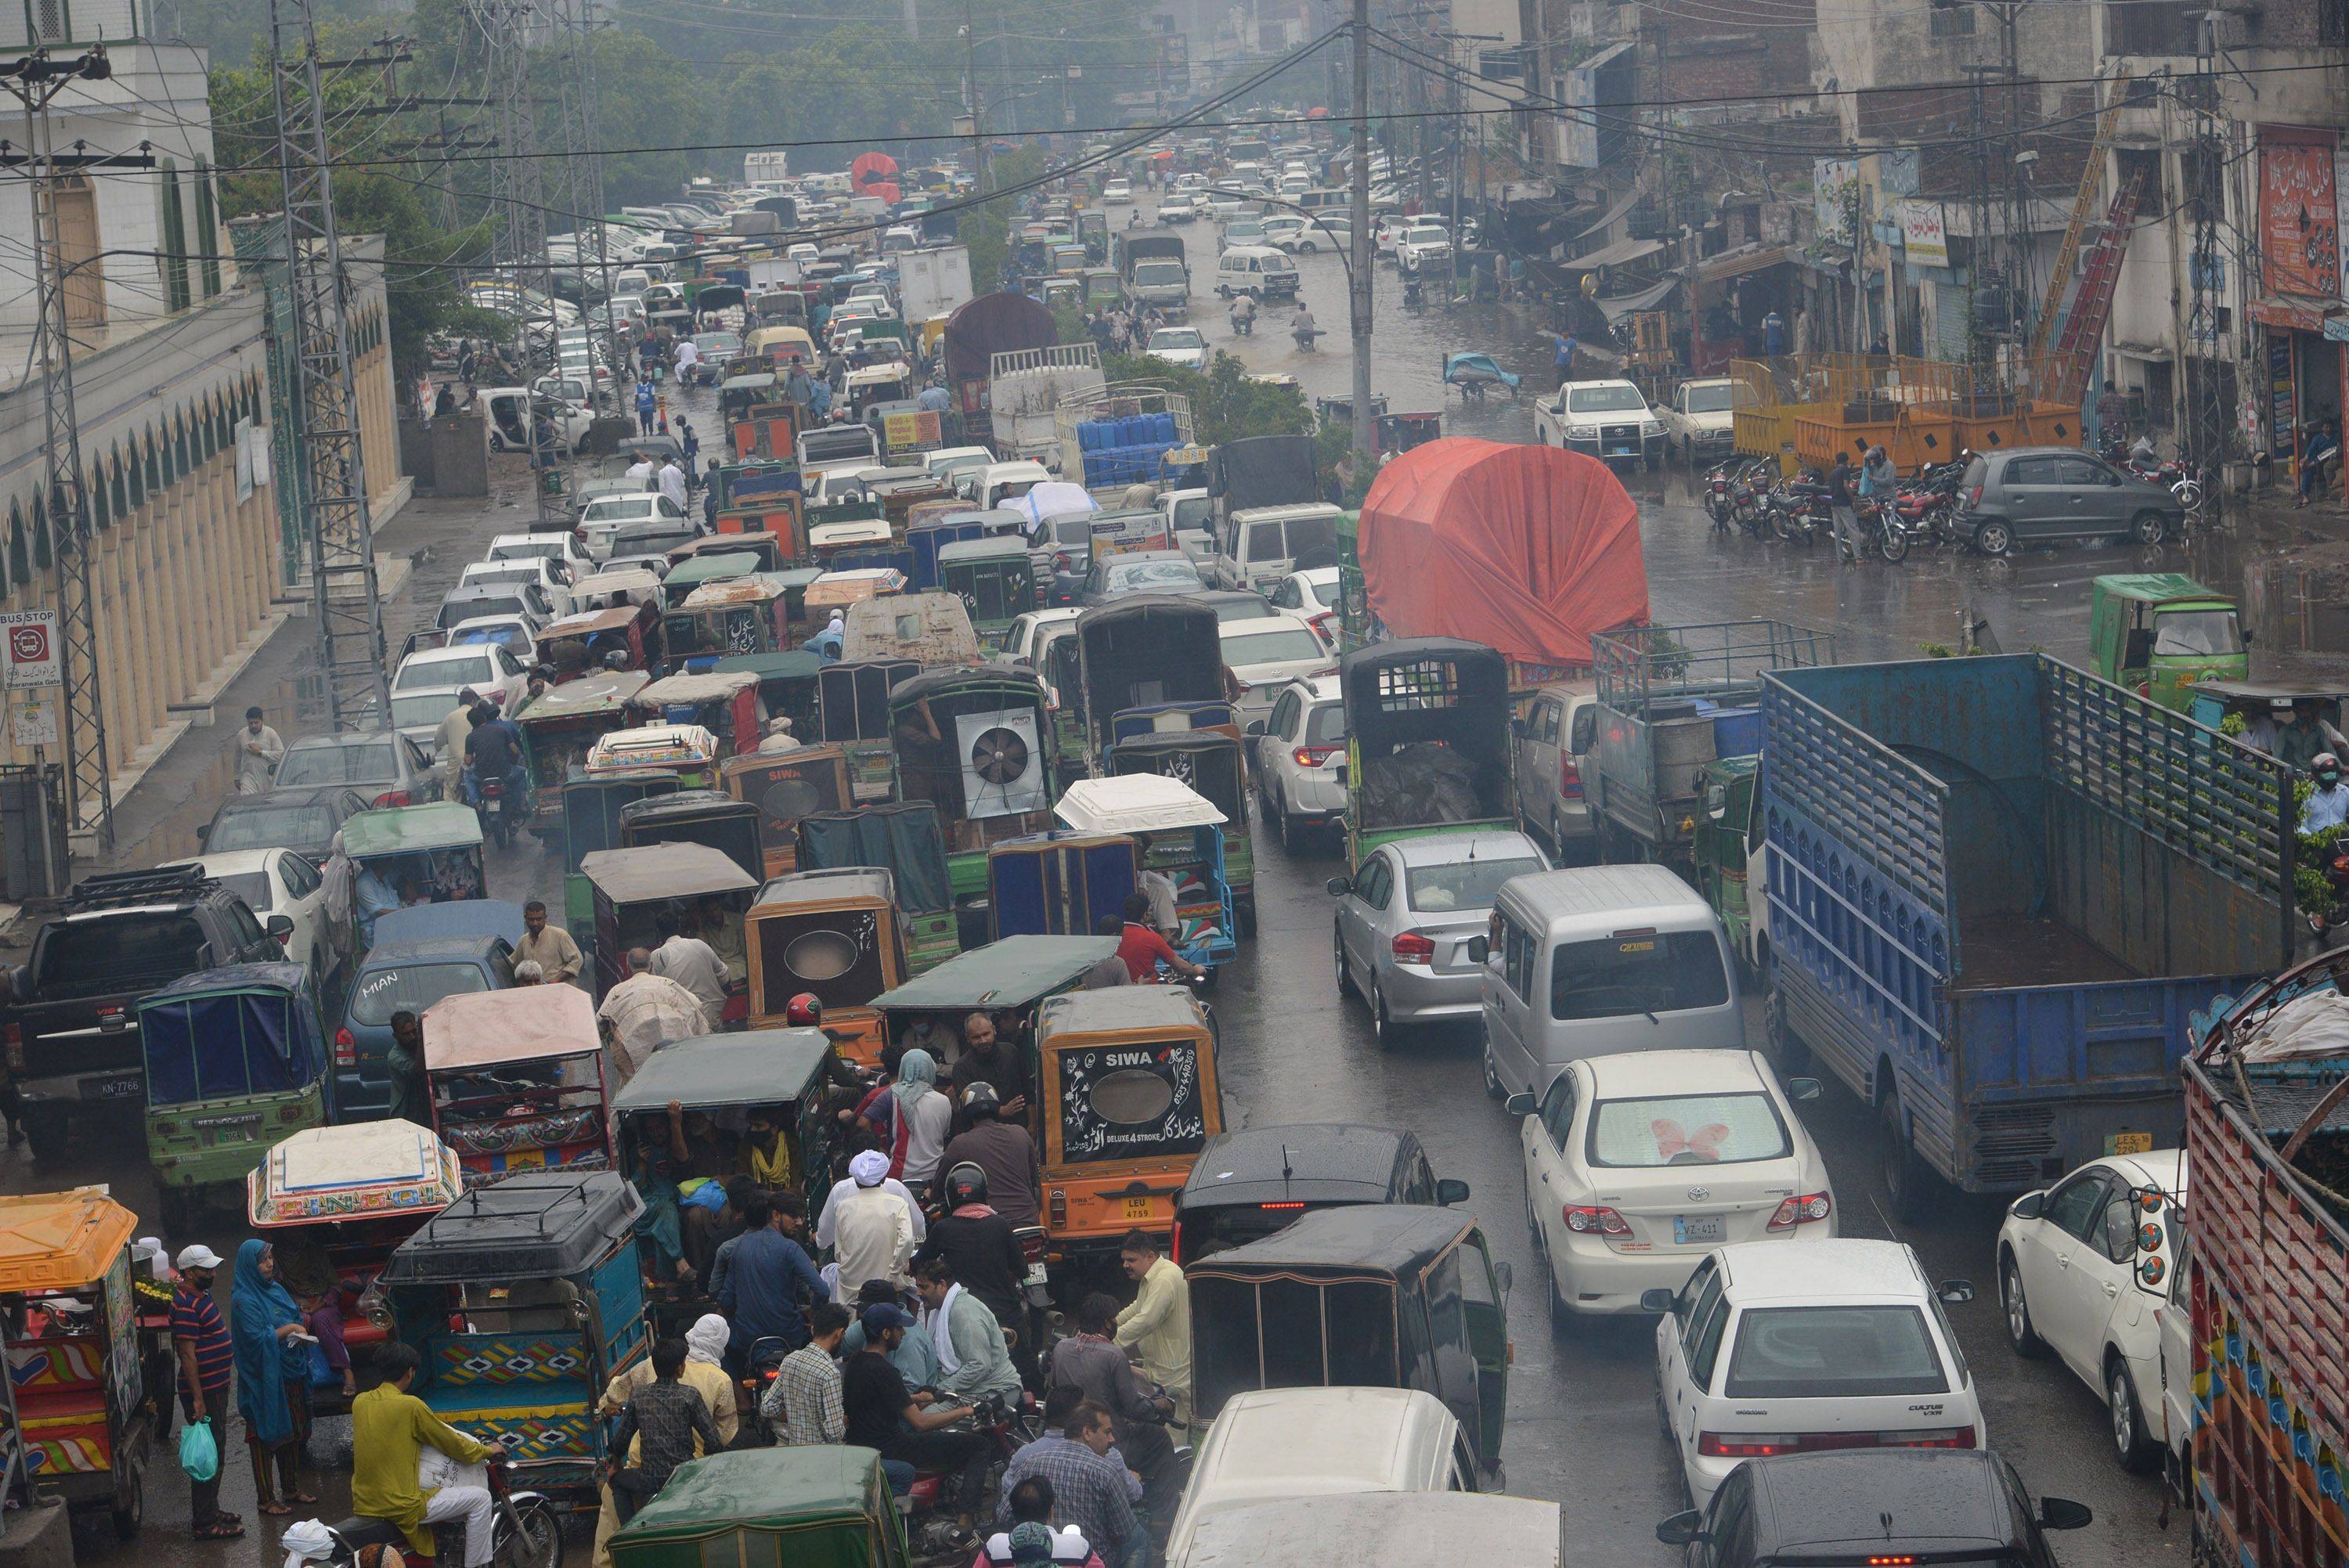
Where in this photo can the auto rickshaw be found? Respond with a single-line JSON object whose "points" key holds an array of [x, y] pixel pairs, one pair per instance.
{"points": [[633, 887], [686, 752], [783, 787], [852, 712], [795, 582], [89, 1397], [1006, 979], [1127, 1095], [1139, 652], [771, 548], [518, 1081], [786, 683], [744, 615], [435, 847], [1057, 664], [705, 566], [560, 725], [726, 823], [738, 395], [751, 480], [835, 537], [931, 629], [1059, 884], [953, 523], [590, 821], [610, 641], [995, 578], [2269, 705], [524, 1299], [1213, 762], [757, 1507], [235, 1059], [334, 1201], [975, 742], [2162, 633], [1180, 833], [1415, 706], [833, 933], [726, 706], [902, 837]]}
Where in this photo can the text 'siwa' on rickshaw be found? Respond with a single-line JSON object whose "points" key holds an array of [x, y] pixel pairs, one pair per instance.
{"points": [[726, 706], [1059, 884], [518, 1081], [741, 615], [704, 889], [1180, 837], [235, 1060], [1127, 1097], [686, 752], [1214, 762], [726, 824], [852, 712], [1006, 980], [901, 837], [524, 1299], [977, 743], [601, 642], [559, 726], [931, 629], [784, 787], [833, 935], [89, 1392], [1142, 652], [334, 1202], [434, 847]]}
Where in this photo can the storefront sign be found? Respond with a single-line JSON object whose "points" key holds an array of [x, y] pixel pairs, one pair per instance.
{"points": [[1923, 235], [2300, 222], [2281, 417]]}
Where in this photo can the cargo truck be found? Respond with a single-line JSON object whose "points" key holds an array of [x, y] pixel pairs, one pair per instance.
{"points": [[1121, 435], [933, 283], [1998, 888], [1025, 389]]}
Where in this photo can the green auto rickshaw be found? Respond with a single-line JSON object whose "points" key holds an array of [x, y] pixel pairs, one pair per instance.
{"points": [[761, 1507], [434, 847], [559, 725], [2160, 634], [995, 580]]}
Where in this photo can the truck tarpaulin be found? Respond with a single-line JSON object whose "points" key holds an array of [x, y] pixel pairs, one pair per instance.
{"points": [[988, 325], [1527, 550]]}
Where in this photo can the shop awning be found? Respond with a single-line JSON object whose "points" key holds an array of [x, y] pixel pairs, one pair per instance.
{"points": [[2294, 313], [1615, 308], [1737, 263], [1622, 253]]}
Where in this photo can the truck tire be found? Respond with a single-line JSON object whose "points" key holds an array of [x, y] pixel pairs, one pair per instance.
{"points": [[1905, 1176]]}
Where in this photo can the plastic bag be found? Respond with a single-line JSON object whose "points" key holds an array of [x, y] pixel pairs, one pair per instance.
{"points": [[199, 1455]]}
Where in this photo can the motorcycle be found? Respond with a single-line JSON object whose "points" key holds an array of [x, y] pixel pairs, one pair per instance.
{"points": [[1799, 513], [1895, 525], [496, 810], [1304, 336], [1412, 293], [2173, 474], [525, 1530], [1008, 1426], [1243, 325]]}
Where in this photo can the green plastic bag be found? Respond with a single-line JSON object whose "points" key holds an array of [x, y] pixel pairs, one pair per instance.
{"points": [[199, 1455]]}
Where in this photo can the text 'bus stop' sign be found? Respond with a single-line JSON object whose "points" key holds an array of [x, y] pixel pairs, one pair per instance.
{"points": [[30, 638]]}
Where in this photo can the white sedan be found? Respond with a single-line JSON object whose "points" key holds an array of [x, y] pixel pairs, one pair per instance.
{"points": [[1182, 346], [1312, 594], [1783, 1347], [1118, 190], [1638, 1165], [279, 882], [487, 667], [1264, 653], [2071, 1279]]}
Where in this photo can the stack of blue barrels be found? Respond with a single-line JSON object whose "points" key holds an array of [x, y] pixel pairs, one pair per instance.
{"points": [[1125, 450]]}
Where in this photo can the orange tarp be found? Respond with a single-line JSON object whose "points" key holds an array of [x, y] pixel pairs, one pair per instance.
{"points": [[1526, 549]]}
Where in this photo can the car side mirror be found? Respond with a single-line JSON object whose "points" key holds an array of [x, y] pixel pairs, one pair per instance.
{"points": [[1802, 1088], [1682, 1529], [2063, 1513], [1658, 1299], [2028, 1206], [1954, 1292], [1520, 1105], [1256, 727], [1450, 1190], [1337, 887], [204, 833], [1517, 727], [1506, 1276], [280, 927]]}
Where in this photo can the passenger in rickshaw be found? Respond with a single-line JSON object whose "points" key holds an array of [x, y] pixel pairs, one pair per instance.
{"points": [[693, 963], [989, 1058], [928, 766], [994, 1137]]}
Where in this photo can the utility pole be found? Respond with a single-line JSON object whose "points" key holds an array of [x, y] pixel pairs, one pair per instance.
{"points": [[506, 26], [1358, 279], [2204, 436], [333, 477], [37, 80]]}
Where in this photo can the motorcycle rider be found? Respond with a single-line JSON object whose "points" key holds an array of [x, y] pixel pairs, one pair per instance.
{"points": [[1244, 316], [1301, 327], [493, 750]]}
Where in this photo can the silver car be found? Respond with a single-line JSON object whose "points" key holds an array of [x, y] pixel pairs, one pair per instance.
{"points": [[1412, 924], [1299, 761]]}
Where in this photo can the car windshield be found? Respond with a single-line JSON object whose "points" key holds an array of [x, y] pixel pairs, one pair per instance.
{"points": [[2197, 632], [531, 549], [1276, 646], [410, 989], [1177, 337], [1192, 511], [473, 668], [427, 711], [472, 609], [1686, 1129], [371, 763], [121, 953], [1464, 884], [1710, 400], [287, 827], [1147, 576], [1635, 971], [1832, 1352], [1605, 400]]}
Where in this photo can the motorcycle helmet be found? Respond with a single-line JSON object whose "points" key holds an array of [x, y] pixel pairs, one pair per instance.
{"points": [[803, 1011], [966, 1184]]}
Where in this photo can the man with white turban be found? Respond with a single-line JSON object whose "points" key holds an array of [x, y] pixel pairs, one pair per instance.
{"points": [[872, 1229]]}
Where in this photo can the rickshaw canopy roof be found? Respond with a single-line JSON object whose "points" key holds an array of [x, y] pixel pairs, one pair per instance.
{"points": [[785, 1485], [1134, 803], [2271, 693], [761, 1067], [411, 829], [1142, 608], [587, 623], [600, 691], [542, 1224], [1002, 547], [520, 1024], [652, 745], [648, 871], [60, 1241], [712, 567], [781, 666], [628, 580], [684, 803], [1119, 1009], [1003, 681], [750, 542], [737, 589], [276, 979], [856, 531], [360, 1171], [2158, 587], [1397, 1239], [758, 382], [826, 885], [1009, 973], [714, 686]]}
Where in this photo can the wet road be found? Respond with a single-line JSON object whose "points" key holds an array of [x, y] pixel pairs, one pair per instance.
{"points": [[1582, 1425]]}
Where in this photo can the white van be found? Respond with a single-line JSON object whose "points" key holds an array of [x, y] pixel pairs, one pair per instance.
{"points": [[1594, 960], [999, 482], [1258, 546], [1270, 1444], [1258, 270]]}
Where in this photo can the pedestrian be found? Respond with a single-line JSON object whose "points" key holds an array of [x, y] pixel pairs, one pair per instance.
{"points": [[337, 888], [871, 1228], [769, 1282], [704, 1372], [674, 1424], [709, 494], [1878, 477], [1089, 1487], [259, 750], [689, 441], [1773, 334], [973, 1361], [996, 1142], [403, 1060], [557, 955], [449, 744], [444, 402], [1839, 500], [645, 1012], [672, 482], [1568, 348], [692, 964], [1154, 1327], [205, 1356], [1877, 349], [272, 1377], [646, 401], [802, 1406]]}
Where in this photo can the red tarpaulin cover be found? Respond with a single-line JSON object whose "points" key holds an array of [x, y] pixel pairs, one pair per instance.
{"points": [[1527, 550], [870, 167]]}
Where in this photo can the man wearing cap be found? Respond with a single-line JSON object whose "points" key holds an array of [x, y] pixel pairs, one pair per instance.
{"points": [[871, 1228], [1003, 1149], [778, 737], [1030, 1506], [200, 1343], [879, 1412]]}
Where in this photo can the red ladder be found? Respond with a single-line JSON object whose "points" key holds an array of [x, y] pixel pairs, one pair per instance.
{"points": [[2092, 307]]}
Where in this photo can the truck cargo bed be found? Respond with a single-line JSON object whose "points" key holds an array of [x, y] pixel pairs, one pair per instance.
{"points": [[2006, 951]]}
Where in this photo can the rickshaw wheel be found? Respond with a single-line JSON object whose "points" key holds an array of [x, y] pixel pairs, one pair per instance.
{"points": [[129, 1509]]}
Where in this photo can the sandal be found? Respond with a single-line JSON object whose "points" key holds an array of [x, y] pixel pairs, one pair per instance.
{"points": [[301, 1497], [276, 1509], [218, 1530]]}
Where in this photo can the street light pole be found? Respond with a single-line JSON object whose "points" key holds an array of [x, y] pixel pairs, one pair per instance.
{"points": [[1357, 239]]}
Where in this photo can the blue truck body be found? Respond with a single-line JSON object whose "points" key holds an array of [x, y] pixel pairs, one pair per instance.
{"points": [[1997, 888]]}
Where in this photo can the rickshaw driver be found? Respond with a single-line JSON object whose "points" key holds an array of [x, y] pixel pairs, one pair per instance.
{"points": [[390, 1430], [1144, 949]]}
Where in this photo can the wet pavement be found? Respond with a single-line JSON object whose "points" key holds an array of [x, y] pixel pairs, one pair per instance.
{"points": [[1582, 1419]]}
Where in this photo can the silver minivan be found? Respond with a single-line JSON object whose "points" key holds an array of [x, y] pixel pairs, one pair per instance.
{"points": [[1549, 748], [1595, 960]]}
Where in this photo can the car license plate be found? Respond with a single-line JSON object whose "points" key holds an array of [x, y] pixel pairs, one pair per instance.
{"points": [[2128, 1143], [1698, 1230], [1136, 1209], [120, 1088]]}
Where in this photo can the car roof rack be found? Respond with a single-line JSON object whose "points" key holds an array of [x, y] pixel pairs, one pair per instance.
{"points": [[117, 890]]}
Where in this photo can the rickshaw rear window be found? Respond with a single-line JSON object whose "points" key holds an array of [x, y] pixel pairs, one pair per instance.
{"points": [[1292, 1334], [121, 953], [410, 989], [214, 1047]]}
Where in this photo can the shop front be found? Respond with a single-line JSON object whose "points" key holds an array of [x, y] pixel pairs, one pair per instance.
{"points": [[2299, 309]]}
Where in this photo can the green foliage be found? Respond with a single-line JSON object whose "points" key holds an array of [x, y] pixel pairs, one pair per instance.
{"points": [[2233, 724], [1224, 404]]}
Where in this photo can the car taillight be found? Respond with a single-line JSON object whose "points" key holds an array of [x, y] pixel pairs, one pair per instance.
{"points": [[1597, 1221], [1973, 496], [1933, 1438], [1283, 1206], [1569, 778], [392, 798], [1802, 1211], [1061, 563], [1762, 1445], [1746, 1445], [1414, 947], [346, 1050], [1312, 756], [15, 1046]]}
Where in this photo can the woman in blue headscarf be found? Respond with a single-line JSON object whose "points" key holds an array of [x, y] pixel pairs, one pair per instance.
{"points": [[271, 1394]]}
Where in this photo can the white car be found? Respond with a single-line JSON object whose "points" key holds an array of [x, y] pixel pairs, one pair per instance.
{"points": [[1301, 758], [1283, 229], [1024, 639], [1178, 208], [1637, 1165], [1701, 420], [2068, 1282], [1607, 419], [279, 881], [517, 635], [604, 516], [550, 545], [1265, 651], [1312, 594], [1423, 247], [551, 576], [1182, 346], [1118, 190], [1779, 1347], [490, 670]]}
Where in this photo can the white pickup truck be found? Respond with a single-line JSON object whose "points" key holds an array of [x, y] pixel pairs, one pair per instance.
{"points": [[1609, 420], [1700, 421]]}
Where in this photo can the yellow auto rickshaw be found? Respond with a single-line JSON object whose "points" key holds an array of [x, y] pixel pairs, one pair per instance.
{"points": [[835, 933]]}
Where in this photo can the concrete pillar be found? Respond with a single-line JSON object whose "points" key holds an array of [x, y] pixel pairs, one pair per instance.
{"points": [[142, 692], [223, 625]]}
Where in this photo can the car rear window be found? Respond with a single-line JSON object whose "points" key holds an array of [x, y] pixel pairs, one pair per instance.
{"points": [[410, 989], [1326, 726], [472, 608], [467, 671], [1687, 1130], [370, 764], [272, 828], [1216, 1227], [1633, 973], [408, 712], [1466, 885], [120, 953], [1147, 576], [1280, 644], [1832, 1352], [251, 886]]}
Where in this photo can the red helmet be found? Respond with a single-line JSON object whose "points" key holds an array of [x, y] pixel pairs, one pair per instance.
{"points": [[803, 1011]]}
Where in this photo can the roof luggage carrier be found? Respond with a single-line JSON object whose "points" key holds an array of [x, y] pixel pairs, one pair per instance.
{"points": [[119, 889]]}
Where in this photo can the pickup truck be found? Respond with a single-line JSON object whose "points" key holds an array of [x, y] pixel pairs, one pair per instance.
{"points": [[1999, 888], [72, 1027], [1701, 420], [1609, 420]]}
